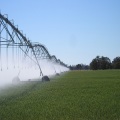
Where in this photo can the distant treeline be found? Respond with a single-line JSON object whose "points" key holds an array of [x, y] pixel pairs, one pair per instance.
{"points": [[99, 63], [79, 67]]}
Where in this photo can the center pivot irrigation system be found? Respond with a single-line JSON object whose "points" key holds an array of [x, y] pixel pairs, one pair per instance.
{"points": [[12, 39]]}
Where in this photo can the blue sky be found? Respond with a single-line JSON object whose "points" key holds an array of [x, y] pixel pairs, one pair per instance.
{"points": [[76, 31]]}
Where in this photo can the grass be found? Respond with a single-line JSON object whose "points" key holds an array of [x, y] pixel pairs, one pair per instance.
{"points": [[77, 95]]}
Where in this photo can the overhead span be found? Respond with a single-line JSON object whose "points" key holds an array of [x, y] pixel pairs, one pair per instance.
{"points": [[12, 37]]}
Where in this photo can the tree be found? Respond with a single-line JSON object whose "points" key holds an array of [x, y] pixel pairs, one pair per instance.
{"points": [[105, 63], [78, 66], [100, 63], [116, 63], [94, 65]]}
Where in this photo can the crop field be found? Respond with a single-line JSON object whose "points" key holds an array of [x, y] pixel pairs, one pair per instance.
{"points": [[75, 95]]}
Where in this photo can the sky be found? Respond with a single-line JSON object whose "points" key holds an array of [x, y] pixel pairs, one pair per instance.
{"points": [[75, 31]]}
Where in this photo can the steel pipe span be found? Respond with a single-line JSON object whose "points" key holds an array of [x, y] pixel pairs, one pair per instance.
{"points": [[12, 38]]}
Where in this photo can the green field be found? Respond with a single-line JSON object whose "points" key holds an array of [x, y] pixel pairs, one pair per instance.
{"points": [[76, 95]]}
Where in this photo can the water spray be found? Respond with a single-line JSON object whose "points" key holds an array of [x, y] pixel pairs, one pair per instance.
{"points": [[12, 38]]}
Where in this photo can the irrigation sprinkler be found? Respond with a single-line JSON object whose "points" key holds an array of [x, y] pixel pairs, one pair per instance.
{"points": [[19, 48]]}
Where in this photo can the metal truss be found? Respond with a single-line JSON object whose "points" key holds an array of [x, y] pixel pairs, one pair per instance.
{"points": [[13, 38]]}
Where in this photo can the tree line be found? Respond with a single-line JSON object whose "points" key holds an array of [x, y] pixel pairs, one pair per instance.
{"points": [[99, 63]]}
